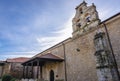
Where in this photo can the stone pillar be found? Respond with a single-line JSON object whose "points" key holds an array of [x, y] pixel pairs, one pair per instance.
{"points": [[38, 69], [32, 70], [41, 71], [23, 71], [104, 63], [27, 71]]}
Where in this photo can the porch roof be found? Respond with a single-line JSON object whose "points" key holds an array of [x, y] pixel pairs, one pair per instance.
{"points": [[44, 58]]}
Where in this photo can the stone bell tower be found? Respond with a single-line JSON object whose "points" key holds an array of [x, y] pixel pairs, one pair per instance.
{"points": [[85, 19]]}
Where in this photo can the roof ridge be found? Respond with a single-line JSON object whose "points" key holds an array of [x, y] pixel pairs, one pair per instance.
{"points": [[57, 56], [51, 54]]}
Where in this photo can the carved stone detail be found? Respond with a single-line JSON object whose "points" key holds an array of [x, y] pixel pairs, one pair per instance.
{"points": [[86, 18], [104, 62]]}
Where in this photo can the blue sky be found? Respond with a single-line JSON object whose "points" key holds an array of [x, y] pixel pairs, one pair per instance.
{"points": [[28, 27]]}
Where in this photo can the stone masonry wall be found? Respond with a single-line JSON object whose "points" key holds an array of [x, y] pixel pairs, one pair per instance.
{"points": [[1, 70], [114, 33], [7, 67], [81, 64]]}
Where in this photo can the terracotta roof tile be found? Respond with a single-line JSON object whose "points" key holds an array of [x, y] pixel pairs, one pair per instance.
{"points": [[50, 56], [46, 57], [19, 59]]}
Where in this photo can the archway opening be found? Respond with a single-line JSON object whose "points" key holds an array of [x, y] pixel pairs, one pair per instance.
{"points": [[51, 75]]}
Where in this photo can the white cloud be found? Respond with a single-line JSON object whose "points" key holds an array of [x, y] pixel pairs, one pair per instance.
{"points": [[61, 34], [41, 20], [104, 13]]}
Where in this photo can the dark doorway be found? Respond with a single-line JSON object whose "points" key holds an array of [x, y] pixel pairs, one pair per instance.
{"points": [[51, 75]]}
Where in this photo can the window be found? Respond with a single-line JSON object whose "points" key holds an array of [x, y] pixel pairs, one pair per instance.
{"points": [[79, 25], [81, 11], [88, 19]]}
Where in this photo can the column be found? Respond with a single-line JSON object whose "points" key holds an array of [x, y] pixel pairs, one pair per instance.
{"points": [[32, 70], [41, 71], [23, 71], [38, 69], [27, 71]]}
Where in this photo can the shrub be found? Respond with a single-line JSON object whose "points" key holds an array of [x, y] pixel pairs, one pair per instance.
{"points": [[13, 79], [6, 77]]}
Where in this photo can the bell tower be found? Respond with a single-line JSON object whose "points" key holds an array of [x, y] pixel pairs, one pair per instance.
{"points": [[86, 18]]}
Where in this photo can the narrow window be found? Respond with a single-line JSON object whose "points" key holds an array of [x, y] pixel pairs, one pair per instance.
{"points": [[79, 25], [88, 19], [81, 11]]}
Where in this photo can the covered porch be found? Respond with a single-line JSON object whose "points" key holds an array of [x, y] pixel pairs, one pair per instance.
{"points": [[33, 68]]}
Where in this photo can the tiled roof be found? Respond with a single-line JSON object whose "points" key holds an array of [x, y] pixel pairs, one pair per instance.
{"points": [[46, 57], [19, 59], [50, 56]]}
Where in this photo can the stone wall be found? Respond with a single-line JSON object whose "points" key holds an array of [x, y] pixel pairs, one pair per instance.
{"points": [[58, 69], [7, 67], [81, 64], [15, 69], [1, 71], [113, 27]]}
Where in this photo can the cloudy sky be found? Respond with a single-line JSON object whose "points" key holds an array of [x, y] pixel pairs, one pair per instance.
{"points": [[28, 27]]}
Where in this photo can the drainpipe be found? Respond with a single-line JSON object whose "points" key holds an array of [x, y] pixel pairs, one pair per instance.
{"points": [[112, 52], [65, 67]]}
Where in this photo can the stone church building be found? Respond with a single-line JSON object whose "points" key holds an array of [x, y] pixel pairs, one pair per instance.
{"points": [[91, 54]]}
